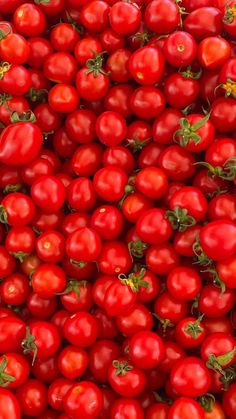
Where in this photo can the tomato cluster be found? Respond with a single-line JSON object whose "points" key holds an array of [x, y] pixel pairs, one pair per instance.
{"points": [[117, 209]]}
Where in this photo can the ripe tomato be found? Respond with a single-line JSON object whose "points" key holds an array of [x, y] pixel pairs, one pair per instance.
{"points": [[153, 227], [146, 65], [84, 245], [126, 408], [29, 20], [48, 280], [32, 397], [83, 400], [185, 407], [157, 18], [9, 404], [125, 18], [48, 193], [216, 245], [146, 349], [125, 378], [180, 49], [213, 52]]}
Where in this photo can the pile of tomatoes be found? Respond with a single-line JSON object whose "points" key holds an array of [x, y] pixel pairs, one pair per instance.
{"points": [[117, 209]]}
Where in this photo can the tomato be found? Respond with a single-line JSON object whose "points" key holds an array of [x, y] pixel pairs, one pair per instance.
{"points": [[32, 397], [183, 283], [170, 310], [60, 67], [14, 150], [40, 50], [204, 22], [81, 329], [41, 307], [42, 340], [50, 246], [9, 405], [110, 182], [119, 156], [15, 289], [14, 48], [218, 350], [80, 126], [63, 98], [117, 65], [146, 349], [111, 40], [146, 65], [83, 400], [48, 193], [29, 20], [229, 401], [216, 244], [225, 270], [153, 227], [136, 319], [135, 204], [213, 52], [16, 369], [57, 391], [125, 378], [213, 303], [181, 89], [48, 280], [111, 128], [125, 408], [64, 37], [94, 15], [147, 102], [101, 356], [124, 18], [118, 298], [72, 362], [195, 132], [12, 332], [190, 332], [152, 182], [185, 407], [183, 380], [229, 18], [177, 163], [158, 410], [173, 352], [157, 18], [223, 114], [84, 245], [180, 49], [162, 258], [107, 221]]}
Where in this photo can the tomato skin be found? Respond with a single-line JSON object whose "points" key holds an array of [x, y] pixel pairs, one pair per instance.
{"points": [[158, 20], [14, 48], [146, 65], [162, 258], [41, 307], [81, 329], [83, 245], [64, 37], [183, 283], [17, 367], [94, 15], [185, 407], [91, 87], [47, 338], [214, 242], [48, 193], [60, 67], [226, 271], [158, 410], [180, 49], [177, 163], [181, 91], [40, 50], [168, 308], [130, 382], [218, 343], [152, 182], [57, 391], [109, 183], [107, 221], [50, 246], [15, 289], [204, 22], [223, 114], [134, 205], [32, 397], [72, 362], [213, 52], [12, 332], [111, 128], [153, 227], [146, 349], [48, 280], [182, 378], [83, 400], [29, 20], [213, 303], [63, 98], [124, 18], [118, 298], [191, 199], [187, 337], [119, 156], [136, 319], [14, 150], [80, 126], [126, 408], [9, 405], [147, 102], [222, 207], [184, 240], [7, 261], [229, 401], [101, 355]]}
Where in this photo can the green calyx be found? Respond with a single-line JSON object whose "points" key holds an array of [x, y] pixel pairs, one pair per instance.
{"points": [[193, 328], [201, 257], [37, 95], [136, 144], [143, 37], [229, 88], [94, 65], [121, 367], [188, 132], [3, 215], [24, 117], [180, 219], [74, 285], [207, 402], [216, 279], [5, 379], [217, 363], [20, 255], [29, 346], [4, 34], [230, 14], [4, 97], [134, 280], [137, 248], [4, 68], [12, 188], [226, 172], [189, 74], [79, 264]]}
